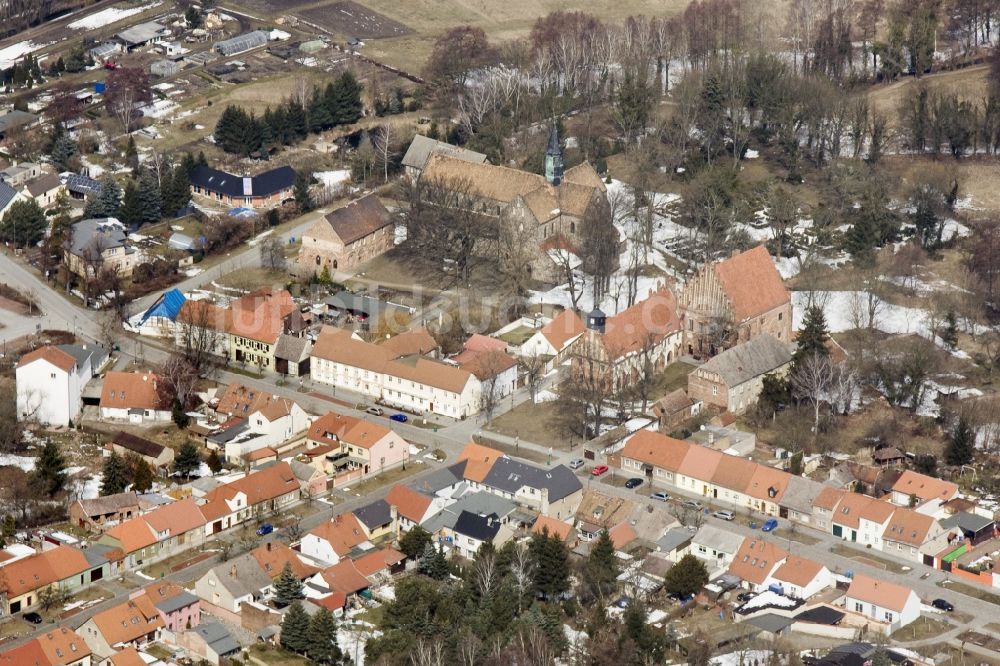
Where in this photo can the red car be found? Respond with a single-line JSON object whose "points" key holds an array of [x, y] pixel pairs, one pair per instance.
{"points": [[598, 470]]}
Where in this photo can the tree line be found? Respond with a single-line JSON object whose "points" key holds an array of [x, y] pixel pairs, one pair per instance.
{"points": [[244, 133]]}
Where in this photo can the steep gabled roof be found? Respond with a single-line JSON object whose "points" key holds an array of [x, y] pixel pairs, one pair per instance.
{"points": [[422, 147], [479, 460], [131, 390], [408, 502], [262, 185], [645, 323], [343, 533], [879, 592], [758, 356], [563, 329], [49, 354], [128, 621], [359, 218], [924, 487], [756, 559], [752, 283], [137, 444], [656, 449]]}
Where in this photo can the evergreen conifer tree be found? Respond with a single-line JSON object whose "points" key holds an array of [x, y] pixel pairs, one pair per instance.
{"points": [[130, 210], [295, 629], [150, 203], [344, 99], [142, 479], [323, 648], [686, 577], [188, 459], [318, 113], [131, 154], [551, 560], [413, 543], [115, 475], [23, 224], [295, 117], [961, 443], [110, 197], [50, 468], [302, 195], [812, 337], [214, 462], [287, 587], [602, 565]]}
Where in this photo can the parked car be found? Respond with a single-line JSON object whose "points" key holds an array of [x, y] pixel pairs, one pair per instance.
{"points": [[400, 418], [662, 497], [693, 504], [265, 529], [576, 463], [375, 411], [769, 525], [744, 597], [724, 515], [33, 618], [634, 482], [599, 469], [943, 604]]}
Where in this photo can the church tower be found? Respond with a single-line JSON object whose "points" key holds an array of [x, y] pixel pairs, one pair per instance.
{"points": [[554, 158]]}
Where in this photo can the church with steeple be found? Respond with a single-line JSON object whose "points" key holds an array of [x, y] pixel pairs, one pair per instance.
{"points": [[549, 211]]}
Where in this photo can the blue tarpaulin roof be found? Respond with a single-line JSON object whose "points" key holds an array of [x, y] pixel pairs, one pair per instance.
{"points": [[168, 305]]}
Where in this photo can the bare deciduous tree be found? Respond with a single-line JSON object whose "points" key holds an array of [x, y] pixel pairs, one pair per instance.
{"points": [[272, 254], [811, 381]]}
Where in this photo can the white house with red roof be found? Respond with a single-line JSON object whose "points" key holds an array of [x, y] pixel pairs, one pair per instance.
{"points": [[133, 397], [893, 605], [50, 382], [555, 340]]}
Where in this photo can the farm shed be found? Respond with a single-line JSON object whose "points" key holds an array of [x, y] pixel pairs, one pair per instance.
{"points": [[164, 68], [245, 42], [312, 46]]}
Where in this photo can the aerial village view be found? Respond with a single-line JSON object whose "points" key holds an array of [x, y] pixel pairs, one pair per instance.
{"points": [[522, 333]]}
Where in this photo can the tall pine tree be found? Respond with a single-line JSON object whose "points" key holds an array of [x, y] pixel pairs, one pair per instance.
{"points": [[602, 566], [188, 459], [344, 99], [130, 210], [50, 468], [323, 648], [295, 629], [149, 198], [961, 443], [287, 587], [813, 337], [142, 477], [551, 559], [114, 478]]}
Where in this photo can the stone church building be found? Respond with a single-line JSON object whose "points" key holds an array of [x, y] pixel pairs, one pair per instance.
{"points": [[549, 211]]}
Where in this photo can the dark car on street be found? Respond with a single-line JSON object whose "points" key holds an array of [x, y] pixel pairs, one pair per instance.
{"points": [[33, 618], [943, 604], [634, 482]]}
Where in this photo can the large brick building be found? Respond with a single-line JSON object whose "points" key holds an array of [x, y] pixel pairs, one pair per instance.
{"points": [[733, 379], [266, 189], [732, 301], [347, 237]]}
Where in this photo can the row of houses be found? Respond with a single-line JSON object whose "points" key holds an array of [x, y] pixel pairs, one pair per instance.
{"points": [[907, 523]]}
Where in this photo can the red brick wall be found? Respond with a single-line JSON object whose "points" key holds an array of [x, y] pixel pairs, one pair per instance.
{"points": [[700, 388]]}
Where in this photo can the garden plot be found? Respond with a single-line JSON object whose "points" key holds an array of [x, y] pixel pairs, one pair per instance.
{"points": [[11, 54], [353, 20]]}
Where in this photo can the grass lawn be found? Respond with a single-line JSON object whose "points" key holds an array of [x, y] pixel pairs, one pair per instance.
{"points": [[971, 590], [275, 656], [923, 627], [673, 377], [799, 535], [384, 479], [533, 423], [867, 558]]}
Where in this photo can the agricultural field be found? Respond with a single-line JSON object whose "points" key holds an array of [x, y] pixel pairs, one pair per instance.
{"points": [[354, 20]]}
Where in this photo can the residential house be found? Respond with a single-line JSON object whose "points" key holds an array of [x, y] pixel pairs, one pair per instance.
{"points": [[348, 237], [23, 580], [268, 189], [8, 197], [675, 544], [133, 623], [801, 578], [335, 539], [673, 409], [380, 564], [412, 508], [553, 491], [98, 245], [547, 213], [45, 189], [156, 455], [620, 350], [756, 561], [912, 486], [142, 34], [715, 546], [732, 301], [488, 360], [341, 579], [970, 526], [339, 444], [824, 506], [50, 382], [19, 174], [598, 513], [555, 340], [96, 514], [422, 147], [12, 120], [229, 584], [378, 519], [893, 605], [472, 521], [194, 324], [256, 321], [799, 500], [312, 481], [211, 641], [377, 372], [127, 657], [557, 528], [914, 536], [272, 557], [133, 397], [734, 378], [278, 425], [178, 608], [259, 493], [59, 646], [861, 519], [164, 531]]}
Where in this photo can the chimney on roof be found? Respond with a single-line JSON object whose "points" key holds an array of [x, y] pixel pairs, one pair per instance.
{"points": [[268, 546], [232, 571]]}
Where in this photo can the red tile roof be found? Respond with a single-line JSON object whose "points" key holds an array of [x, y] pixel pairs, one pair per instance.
{"points": [[260, 314], [273, 555], [53, 355], [756, 559], [645, 323], [343, 533], [924, 487], [58, 647], [41, 569], [552, 526], [408, 502], [752, 283], [129, 621], [333, 428], [379, 560], [131, 390], [479, 459], [881, 593], [345, 578], [267, 484], [563, 328]]}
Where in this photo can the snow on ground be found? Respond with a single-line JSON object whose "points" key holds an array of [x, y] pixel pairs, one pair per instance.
{"points": [[142, 575], [10, 55], [108, 16], [545, 396], [933, 391], [742, 658], [333, 178], [839, 305], [400, 234], [768, 598], [954, 229], [27, 463]]}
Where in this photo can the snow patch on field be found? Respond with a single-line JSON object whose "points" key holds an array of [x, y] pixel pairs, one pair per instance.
{"points": [[333, 178], [27, 463], [10, 55], [108, 16], [839, 306]]}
